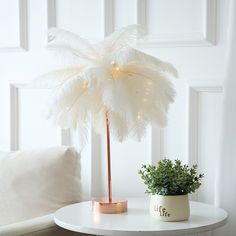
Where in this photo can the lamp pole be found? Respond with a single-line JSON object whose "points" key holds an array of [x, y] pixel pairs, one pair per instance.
{"points": [[108, 158], [109, 205]]}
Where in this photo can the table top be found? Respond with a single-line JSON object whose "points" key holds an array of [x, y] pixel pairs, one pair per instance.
{"points": [[137, 221]]}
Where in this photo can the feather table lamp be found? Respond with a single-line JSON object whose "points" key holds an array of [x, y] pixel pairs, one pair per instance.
{"points": [[117, 88]]}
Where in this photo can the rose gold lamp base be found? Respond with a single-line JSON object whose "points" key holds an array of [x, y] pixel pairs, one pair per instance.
{"points": [[104, 206]]}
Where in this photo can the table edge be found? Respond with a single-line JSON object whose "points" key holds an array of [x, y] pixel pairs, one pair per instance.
{"points": [[88, 230]]}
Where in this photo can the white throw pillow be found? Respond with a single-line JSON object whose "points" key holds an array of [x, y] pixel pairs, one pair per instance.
{"points": [[37, 182]]}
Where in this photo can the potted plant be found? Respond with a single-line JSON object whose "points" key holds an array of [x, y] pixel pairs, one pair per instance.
{"points": [[169, 183]]}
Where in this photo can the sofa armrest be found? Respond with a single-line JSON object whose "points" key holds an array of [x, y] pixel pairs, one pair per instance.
{"points": [[40, 226]]}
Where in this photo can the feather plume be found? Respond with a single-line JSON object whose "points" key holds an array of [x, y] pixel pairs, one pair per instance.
{"points": [[64, 37], [121, 38], [55, 78], [111, 76], [130, 55], [67, 51]]}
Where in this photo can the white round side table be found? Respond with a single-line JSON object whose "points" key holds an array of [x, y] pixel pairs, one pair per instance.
{"points": [[137, 221]]}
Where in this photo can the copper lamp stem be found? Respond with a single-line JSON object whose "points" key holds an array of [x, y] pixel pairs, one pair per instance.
{"points": [[109, 206], [108, 159]]}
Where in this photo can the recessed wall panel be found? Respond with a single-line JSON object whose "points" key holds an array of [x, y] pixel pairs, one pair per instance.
{"points": [[81, 17], [121, 19], [34, 130], [126, 159], [175, 17], [209, 146], [9, 23]]}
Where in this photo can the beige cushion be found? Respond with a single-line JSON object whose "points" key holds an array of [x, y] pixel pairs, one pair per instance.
{"points": [[37, 182]]}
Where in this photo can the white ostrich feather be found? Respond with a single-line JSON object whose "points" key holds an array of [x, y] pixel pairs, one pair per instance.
{"points": [[112, 77], [64, 37], [121, 38], [55, 78], [129, 55], [69, 44]]}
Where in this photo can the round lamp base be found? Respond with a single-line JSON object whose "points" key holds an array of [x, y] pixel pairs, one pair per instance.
{"points": [[104, 206]]}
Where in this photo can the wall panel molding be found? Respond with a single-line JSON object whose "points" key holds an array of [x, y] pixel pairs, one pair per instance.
{"points": [[14, 118], [51, 16], [193, 123], [107, 8], [23, 24], [194, 109], [51, 13], [156, 145], [210, 22], [23, 30], [95, 143], [141, 9], [206, 37], [108, 19]]}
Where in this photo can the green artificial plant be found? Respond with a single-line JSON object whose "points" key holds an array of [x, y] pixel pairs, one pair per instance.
{"points": [[170, 178]]}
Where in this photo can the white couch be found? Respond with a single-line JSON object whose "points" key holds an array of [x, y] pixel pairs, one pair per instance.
{"points": [[34, 184]]}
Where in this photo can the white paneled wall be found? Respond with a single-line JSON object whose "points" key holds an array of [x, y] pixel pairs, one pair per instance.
{"points": [[179, 28], [13, 25], [27, 123], [204, 125], [190, 34]]}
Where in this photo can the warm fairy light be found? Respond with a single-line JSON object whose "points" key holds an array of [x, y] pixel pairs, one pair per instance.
{"points": [[114, 71], [145, 99], [117, 68], [139, 116]]}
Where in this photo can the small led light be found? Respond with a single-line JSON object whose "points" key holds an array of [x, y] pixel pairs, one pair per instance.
{"points": [[145, 99], [115, 66], [139, 116]]}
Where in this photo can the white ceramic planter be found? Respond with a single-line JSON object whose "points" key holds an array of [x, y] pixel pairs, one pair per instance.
{"points": [[170, 208]]}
